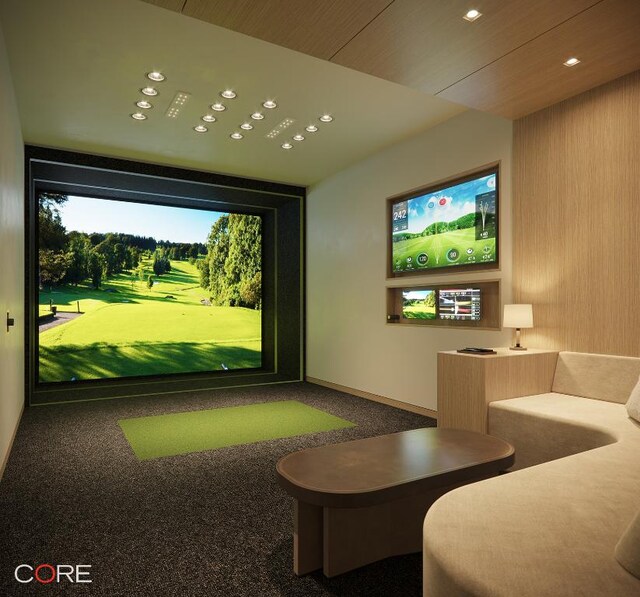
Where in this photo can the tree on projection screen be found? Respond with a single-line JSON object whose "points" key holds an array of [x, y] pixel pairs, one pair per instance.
{"points": [[131, 289]]}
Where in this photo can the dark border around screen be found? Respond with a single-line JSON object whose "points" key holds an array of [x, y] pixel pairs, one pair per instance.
{"points": [[281, 208]]}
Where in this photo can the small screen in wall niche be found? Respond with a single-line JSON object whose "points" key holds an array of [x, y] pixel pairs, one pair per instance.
{"points": [[419, 304], [459, 304], [446, 226]]}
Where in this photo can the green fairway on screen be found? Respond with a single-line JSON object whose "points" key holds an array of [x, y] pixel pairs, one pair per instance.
{"points": [[419, 304], [130, 289]]}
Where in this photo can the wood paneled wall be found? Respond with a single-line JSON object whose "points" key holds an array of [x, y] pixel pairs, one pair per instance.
{"points": [[577, 220]]}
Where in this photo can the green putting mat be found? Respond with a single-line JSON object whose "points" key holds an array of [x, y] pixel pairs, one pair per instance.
{"points": [[183, 433]]}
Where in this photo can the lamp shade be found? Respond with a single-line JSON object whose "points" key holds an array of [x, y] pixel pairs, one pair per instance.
{"points": [[518, 316]]}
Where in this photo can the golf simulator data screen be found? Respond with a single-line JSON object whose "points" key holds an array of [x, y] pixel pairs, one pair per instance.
{"points": [[459, 304], [453, 226]]}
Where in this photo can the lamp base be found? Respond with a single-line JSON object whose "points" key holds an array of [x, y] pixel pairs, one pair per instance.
{"points": [[517, 346]]}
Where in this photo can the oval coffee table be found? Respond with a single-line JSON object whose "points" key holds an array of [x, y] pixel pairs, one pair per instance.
{"points": [[361, 501]]}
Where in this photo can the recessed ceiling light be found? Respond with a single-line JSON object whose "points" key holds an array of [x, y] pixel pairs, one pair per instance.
{"points": [[200, 128], [269, 104], [571, 61], [139, 116], [218, 107], [298, 138], [287, 145], [472, 15], [209, 118], [236, 136], [228, 94], [151, 91], [154, 75], [257, 116], [144, 104], [312, 128], [326, 118], [246, 126]]}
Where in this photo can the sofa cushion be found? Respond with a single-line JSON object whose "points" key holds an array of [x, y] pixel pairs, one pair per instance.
{"points": [[603, 377], [546, 530], [549, 426], [633, 404]]}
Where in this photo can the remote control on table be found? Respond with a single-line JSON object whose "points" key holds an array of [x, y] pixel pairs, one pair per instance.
{"points": [[475, 350]]}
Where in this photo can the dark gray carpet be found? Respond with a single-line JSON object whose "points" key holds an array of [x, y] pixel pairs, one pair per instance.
{"points": [[211, 523]]}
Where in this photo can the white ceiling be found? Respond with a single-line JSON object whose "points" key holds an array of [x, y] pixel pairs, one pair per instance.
{"points": [[78, 66]]}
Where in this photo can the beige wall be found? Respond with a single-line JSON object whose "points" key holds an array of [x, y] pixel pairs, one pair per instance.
{"points": [[12, 262], [348, 341], [577, 220]]}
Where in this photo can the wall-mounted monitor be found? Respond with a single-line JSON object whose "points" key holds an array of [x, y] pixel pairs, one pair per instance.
{"points": [[419, 304], [459, 304], [454, 224]]}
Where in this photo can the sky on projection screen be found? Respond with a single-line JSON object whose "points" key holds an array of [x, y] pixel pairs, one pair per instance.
{"points": [[174, 224]]}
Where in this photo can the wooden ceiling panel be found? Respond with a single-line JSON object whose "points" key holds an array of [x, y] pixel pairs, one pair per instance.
{"points": [[605, 38], [175, 5], [427, 45], [508, 62], [316, 28]]}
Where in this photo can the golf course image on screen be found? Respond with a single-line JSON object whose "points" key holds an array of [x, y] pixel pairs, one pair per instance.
{"points": [[134, 289], [453, 226], [419, 304]]}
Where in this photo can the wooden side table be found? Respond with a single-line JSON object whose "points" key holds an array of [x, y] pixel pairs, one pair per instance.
{"points": [[467, 383]]}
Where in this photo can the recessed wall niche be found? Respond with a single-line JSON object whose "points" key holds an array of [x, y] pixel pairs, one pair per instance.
{"points": [[468, 305], [280, 209]]}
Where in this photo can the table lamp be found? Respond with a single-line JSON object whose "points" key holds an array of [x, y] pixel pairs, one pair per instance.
{"points": [[518, 316]]}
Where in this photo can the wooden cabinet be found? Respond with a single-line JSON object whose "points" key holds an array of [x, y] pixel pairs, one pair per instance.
{"points": [[467, 383]]}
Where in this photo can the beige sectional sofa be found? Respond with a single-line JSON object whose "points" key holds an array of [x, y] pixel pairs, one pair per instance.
{"points": [[549, 528]]}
